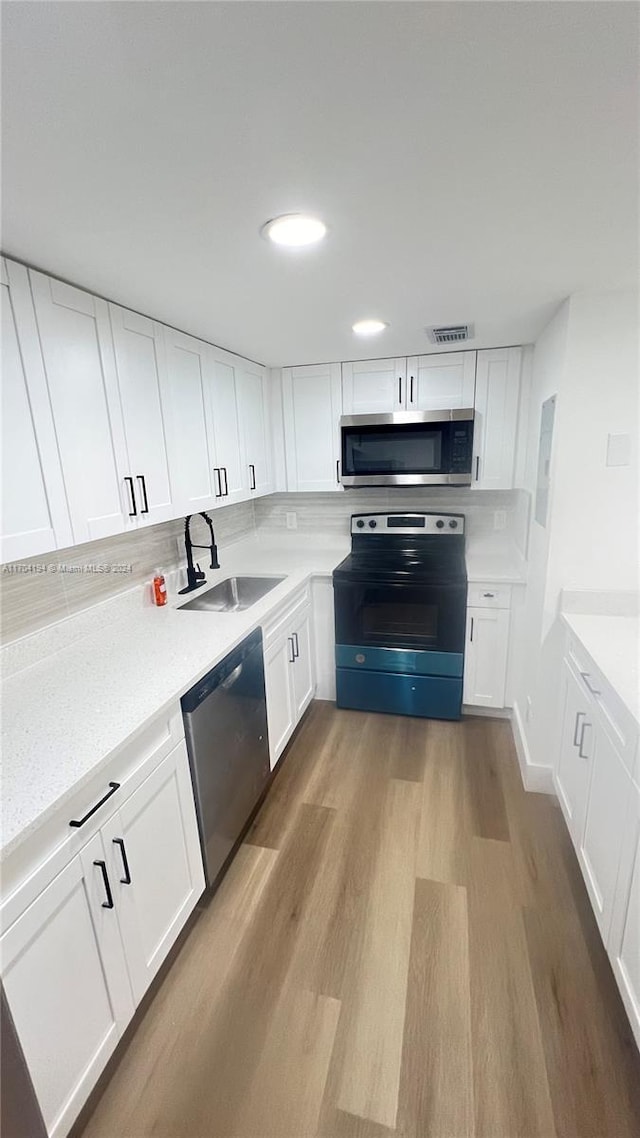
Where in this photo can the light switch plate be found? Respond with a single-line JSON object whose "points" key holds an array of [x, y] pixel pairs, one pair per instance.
{"points": [[618, 450], [499, 519], [292, 521]]}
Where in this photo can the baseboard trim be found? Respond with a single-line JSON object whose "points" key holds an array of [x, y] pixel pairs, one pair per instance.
{"points": [[534, 776], [486, 712]]}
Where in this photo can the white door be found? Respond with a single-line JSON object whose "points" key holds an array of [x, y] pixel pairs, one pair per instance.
{"points": [[442, 381], [154, 858], [35, 517], [624, 938], [374, 386], [312, 401], [187, 375], [224, 414], [485, 662], [278, 662], [254, 414], [496, 418], [599, 850], [138, 344], [303, 669], [77, 347], [66, 981], [573, 770]]}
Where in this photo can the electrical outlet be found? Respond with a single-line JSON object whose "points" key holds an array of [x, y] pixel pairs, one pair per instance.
{"points": [[292, 521], [499, 519]]}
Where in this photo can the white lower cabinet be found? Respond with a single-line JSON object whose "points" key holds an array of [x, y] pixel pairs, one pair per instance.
{"points": [[487, 645], [573, 760], [624, 936], [599, 849], [289, 679], [79, 958], [66, 980]]}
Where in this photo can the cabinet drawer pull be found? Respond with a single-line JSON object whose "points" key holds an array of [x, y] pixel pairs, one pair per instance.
{"points": [[145, 509], [296, 646], [114, 786], [133, 513], [471, 634], [218, 481], [584, 727], [577, 725], [292, 658], [226, 484], [108, 904], [126, 880], [594, 691], [488, 594], [252, 470]]}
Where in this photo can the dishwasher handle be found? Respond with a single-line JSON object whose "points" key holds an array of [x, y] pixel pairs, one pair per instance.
{"points": [[232, 677]]}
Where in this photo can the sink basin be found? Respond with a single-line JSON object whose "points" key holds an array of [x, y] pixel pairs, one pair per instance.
{"points": [[234, 594]]}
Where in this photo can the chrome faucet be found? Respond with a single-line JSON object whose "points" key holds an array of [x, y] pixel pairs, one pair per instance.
{"points": [[195, 576]]}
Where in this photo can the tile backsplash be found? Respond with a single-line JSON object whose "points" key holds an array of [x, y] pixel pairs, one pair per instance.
{"points": [[40, 590]]}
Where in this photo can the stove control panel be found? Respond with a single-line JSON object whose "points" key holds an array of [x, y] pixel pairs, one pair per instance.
{"points": [[408, 523]]}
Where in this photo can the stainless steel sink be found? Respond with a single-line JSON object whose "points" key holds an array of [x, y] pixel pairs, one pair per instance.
{"points": [[234, 594]]}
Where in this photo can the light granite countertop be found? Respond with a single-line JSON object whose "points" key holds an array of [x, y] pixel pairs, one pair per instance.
{"points": [[613, 646], [77, 692]]}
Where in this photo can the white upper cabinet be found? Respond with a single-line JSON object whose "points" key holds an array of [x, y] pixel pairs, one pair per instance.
{"points": [[232, 479], [374, 386], [442, 381], [496, 418], [187, 379], [35, 517], [254, 419], [138, 345], [77, 347], [312, 404]]}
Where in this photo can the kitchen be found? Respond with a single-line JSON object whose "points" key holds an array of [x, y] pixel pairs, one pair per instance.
{"points": [[320, 712]]}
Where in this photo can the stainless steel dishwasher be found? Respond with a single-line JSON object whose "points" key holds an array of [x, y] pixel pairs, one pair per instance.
{"points": [[225, 720]]}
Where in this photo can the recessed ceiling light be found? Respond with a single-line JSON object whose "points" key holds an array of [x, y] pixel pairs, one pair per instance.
{"points": [[369, 327], [295, 229]]}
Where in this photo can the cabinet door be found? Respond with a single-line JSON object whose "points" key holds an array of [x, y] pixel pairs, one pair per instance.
{"points": [[254, 416], [77, 348], [278, 662], [496, 418], [439, 382], [599, 851], [573, 770], [66, 981], [35, 517], [224, 411], [370, 386], [187, 376], [312, 402], [303, 668], [485, 662], [138, 347], [624, 937], [155, 864]]}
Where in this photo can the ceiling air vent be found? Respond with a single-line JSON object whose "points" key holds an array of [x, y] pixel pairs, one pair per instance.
{"points": [[450, 334]]}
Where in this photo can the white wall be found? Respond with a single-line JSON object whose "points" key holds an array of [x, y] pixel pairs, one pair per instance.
{"points": [[588, 356]]}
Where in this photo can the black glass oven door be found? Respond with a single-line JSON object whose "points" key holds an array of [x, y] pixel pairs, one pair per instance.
{"points": [[418, 617]]}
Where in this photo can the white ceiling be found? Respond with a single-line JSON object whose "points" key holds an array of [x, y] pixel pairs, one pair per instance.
{"points": [[474, 161]]}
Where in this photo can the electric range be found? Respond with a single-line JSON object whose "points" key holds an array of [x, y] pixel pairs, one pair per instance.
{"points": [[400, 613]]}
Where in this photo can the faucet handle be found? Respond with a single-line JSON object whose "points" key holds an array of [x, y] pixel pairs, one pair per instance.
{"points": [[199, 573]]}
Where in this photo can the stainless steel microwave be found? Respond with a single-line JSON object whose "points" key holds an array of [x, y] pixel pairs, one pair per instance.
{"points": [[423, 448]]}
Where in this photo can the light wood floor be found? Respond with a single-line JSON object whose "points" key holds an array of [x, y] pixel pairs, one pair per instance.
{"points": [[402, 946]]}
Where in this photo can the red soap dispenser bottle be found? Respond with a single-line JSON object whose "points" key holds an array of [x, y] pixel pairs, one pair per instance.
{"points": [[159, 589]]}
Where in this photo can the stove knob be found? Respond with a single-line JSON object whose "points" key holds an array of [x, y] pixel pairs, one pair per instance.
{"points": [[440, 523], [360, 524], [372, 524], [453, 524]]}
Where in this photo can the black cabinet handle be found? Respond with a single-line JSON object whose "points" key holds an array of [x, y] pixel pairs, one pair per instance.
{"points": [[292, 658], [253, 476], [218, 480], [411, 390], [141, 480], [477, 467], [126, 880], [226, 484], [296, 646], [399, 389], [114, 786], [338, 471], [471, 636], [488, 594], [133, 513], [108, 904]]}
